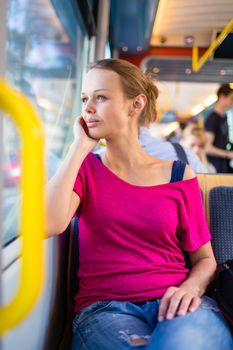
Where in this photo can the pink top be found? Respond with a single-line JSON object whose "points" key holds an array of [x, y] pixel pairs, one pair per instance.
{"points": [[131, 237]]}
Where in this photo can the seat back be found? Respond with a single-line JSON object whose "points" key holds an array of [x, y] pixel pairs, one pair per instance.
{"points": [[72, 284], [221, 222], [59, 329], [217, 190]]}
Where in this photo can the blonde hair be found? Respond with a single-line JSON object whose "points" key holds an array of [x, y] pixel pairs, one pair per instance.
{"points": [[194, 130], [134, 82]]}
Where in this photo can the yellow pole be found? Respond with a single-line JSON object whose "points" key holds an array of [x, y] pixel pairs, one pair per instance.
{"points": [[196, 65], [32, 223]]}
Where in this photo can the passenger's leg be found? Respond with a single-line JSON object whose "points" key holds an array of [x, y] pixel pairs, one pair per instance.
{"points": [[204, 329], [112, 326]]}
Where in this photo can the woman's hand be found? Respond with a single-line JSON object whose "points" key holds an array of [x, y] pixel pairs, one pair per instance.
{"points": [[178, 301], [81, 136]]}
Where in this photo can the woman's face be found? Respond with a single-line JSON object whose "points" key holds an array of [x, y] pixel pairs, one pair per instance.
{"points": [[105, 107], [196, 143]]}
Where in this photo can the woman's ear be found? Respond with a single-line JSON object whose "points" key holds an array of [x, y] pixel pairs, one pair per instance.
{"points": [[139, 103]]}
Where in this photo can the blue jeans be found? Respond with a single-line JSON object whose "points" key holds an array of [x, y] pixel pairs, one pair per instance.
{"points": [[113, 325]]}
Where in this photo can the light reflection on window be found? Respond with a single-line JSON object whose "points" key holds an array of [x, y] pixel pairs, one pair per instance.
{"points": [[41, 62]]}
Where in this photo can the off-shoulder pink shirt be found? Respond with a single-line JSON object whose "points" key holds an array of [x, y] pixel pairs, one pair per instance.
{"points": [[131, 238]]}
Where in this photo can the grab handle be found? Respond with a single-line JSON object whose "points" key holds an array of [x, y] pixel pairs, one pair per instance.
{"points": [[198, 63], [32, 218]]}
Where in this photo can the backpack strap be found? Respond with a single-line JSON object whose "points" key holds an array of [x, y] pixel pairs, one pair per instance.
{"points": [[180, 152], [178, 169]]}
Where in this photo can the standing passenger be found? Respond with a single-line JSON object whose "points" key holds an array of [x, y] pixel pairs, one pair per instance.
{"points": [[137, 214], [217, 132]]}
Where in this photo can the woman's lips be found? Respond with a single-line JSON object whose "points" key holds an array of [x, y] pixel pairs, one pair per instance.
{"points": [[92, 123]]}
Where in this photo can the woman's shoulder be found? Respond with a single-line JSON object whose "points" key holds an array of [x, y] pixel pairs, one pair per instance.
{"points": [[176, 170], [90, 161], [159, 164], [189, 173]]}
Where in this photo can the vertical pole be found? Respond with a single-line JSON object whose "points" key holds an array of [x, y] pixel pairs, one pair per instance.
{"points": [[102, 28]]}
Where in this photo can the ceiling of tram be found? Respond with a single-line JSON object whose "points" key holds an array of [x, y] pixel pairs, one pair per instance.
{"points": [[178, 19], [182, 24]]}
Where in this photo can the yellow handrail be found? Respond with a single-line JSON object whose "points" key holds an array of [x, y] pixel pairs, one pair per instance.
{"points": [[32, 223], [197, 64]]}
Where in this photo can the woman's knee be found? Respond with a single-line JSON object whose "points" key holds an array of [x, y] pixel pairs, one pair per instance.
{"points": [[204, 329]]}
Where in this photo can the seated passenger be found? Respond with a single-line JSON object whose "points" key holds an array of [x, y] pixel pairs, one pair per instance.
{"points": [[137, 213], [194, 138], [164, 149]]}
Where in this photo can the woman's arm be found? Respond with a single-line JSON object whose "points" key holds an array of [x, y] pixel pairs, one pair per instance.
{"points": [[186, 298], [180, 300], [215, 151], [61, 200]]}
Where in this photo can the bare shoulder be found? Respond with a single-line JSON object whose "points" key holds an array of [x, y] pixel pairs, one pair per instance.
{"points": [[189, 173], [165, 168], [163, 164]]}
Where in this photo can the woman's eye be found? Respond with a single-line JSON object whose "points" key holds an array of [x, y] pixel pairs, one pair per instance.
{"points": [[101, 98], [84, 99]]}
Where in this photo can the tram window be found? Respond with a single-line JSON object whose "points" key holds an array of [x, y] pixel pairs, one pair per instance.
{"points": [[42, 62], [11, 178]]}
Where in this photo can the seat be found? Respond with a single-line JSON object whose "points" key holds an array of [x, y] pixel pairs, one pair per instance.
{"points": [[221, 222], [58, 335], [217, 192], [72, 285]]}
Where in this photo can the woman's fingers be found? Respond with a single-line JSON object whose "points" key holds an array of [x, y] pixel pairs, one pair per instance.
{"points": [[174, 304], [189, 303], [83, 124], [165, 302], [81, 134], [177, 302], [194, 304]]}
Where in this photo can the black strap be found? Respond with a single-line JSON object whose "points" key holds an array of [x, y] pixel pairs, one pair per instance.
{"points": [[178, 168], [180, 152], [98, 156]]}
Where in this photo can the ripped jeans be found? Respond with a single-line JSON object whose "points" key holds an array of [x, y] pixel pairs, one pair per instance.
{"points": [[113, 325]]}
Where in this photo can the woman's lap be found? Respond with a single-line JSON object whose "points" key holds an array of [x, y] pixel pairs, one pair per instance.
{"points": [[123, 326], [108, 325], [204, 329]]}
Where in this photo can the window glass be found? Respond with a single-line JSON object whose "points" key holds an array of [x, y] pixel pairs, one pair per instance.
{"points": [[42, 62]]}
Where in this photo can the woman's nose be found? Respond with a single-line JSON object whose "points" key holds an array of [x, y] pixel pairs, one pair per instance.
{"points": [[89, 107]]}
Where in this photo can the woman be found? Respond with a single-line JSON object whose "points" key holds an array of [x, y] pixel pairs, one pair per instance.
{"points": [[135, 220], [194, 137]]}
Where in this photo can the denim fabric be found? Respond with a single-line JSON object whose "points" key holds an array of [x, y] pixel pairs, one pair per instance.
{"points": [[113, 325]]}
